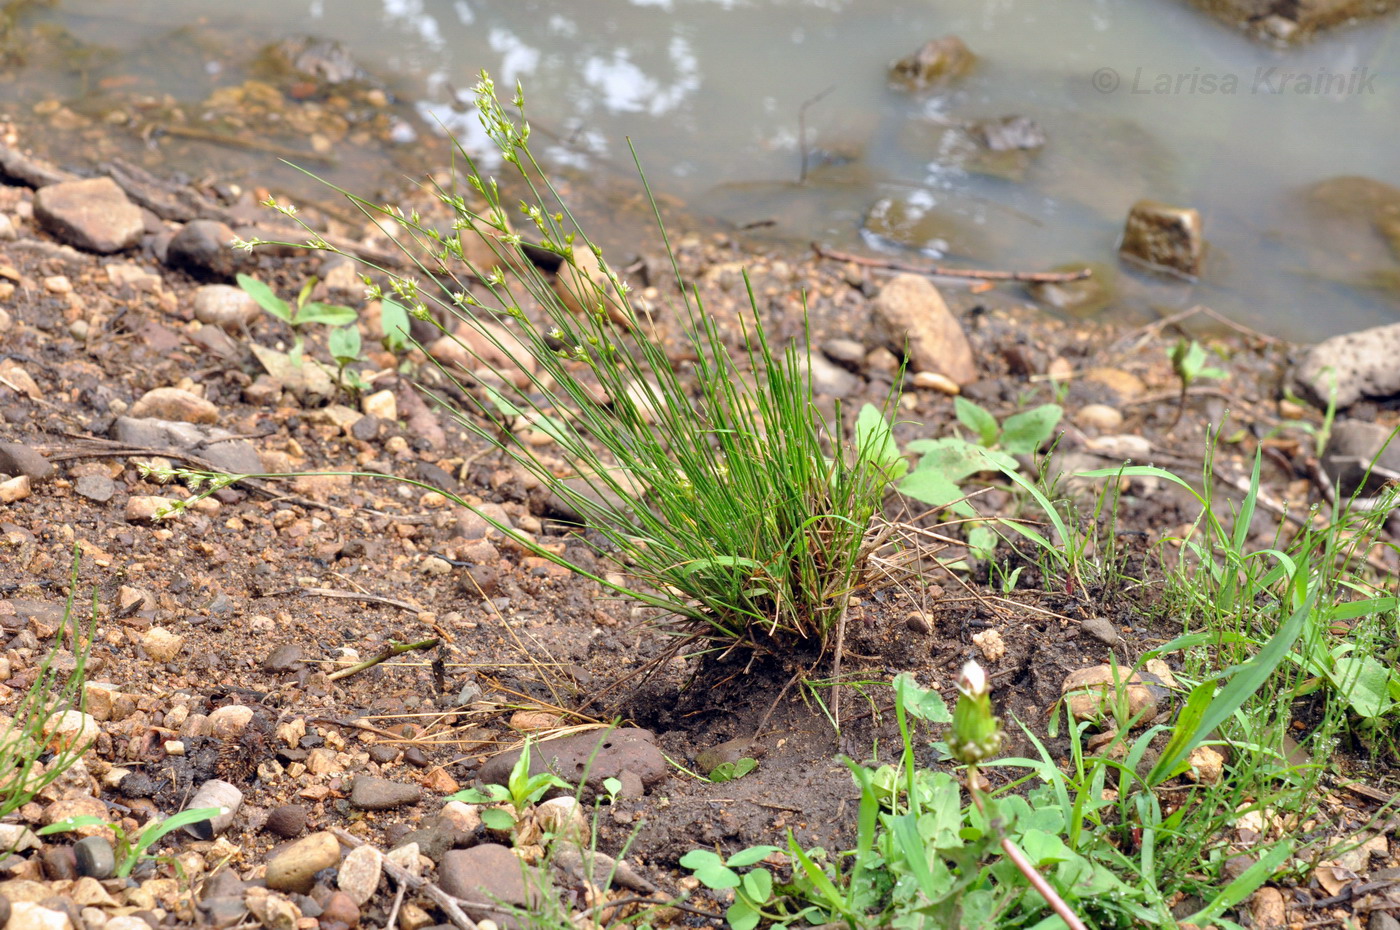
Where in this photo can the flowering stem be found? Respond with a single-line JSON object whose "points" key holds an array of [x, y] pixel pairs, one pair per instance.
{"points": [[1026, 867]]}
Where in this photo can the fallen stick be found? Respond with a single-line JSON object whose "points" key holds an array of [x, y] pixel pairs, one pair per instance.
{"points": [[239, 142], [389, 651], [1032, 277]]}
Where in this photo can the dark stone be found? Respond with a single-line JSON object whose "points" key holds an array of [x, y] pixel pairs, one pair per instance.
{"points": [[365, 429], [221, 913], [416, 757], [223, 884], [283, 658], [383, 753], [1164, 236], [1100, 629], [287, 821], [18, 459], [380, 794], [59, 863], [95, 857], [98, 488], [1361, 457], [204, 247], [600, 754]]}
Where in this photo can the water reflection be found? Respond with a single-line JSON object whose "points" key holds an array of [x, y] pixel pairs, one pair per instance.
{"points": [[710, 92]]}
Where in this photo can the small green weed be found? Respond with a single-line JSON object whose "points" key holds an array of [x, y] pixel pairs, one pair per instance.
{"points": [[1188, 360], [130, 852], [24, 738], [521, 790], [342, 341]]}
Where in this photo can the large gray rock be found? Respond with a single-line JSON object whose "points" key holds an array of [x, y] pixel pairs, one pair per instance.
{"points": [[487, 877], [93, 214], [599, 754], [1365, 363], [911, 317], [18, 459], [1361, 457], [235, 456]]}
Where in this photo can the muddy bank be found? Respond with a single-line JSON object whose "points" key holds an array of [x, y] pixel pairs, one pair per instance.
{"points": [[222, 636]]}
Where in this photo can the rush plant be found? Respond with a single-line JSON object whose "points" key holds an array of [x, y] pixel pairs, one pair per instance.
{"points": [[713, 483]]}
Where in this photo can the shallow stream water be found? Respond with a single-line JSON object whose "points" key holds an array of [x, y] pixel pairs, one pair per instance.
{"points": [[1138, 98]]}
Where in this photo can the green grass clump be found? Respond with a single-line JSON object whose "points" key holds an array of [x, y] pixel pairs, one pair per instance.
{"points": [[713, 483]]}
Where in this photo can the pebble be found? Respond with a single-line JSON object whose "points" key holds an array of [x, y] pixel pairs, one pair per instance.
{"points": [[847, 352], [59, 863], [18, 459], [1101, 629], [340, 909], [294, 868], [283, 658], [933, 381], [13, 490], [229, 722], [1268, 909], [360, 873], [147, 508], [161, 644], [95, 857], [92, 214], [78, 807], [174, 404], [26, 915], [382, 405], [287, 821], [225, 306], [369, 793], [96, 488], [1099, 416]]}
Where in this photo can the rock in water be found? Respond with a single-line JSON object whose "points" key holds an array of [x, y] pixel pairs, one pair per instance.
{"points": [[937, 63], [1164, 236]]}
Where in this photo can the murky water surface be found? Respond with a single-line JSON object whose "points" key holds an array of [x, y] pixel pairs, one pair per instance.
{"points": [[1137, 98]]}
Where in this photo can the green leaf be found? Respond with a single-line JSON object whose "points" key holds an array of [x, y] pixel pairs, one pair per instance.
{"points": [[393, 320], [494, 794], [751, 856], [262, 295], [758, 885], [344, 343], [933, 488], [1210, 712], [329, 314], [710, 869], [976, 419], [741, 916], [923, 703], [498, 819], [875, 442], [152, 834], [1024, 433], [1365, 683], [71, 823], [1246, 884], [1043, 849]]}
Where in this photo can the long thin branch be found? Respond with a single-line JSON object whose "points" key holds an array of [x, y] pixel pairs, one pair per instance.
{"points": [[939, 271]]}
